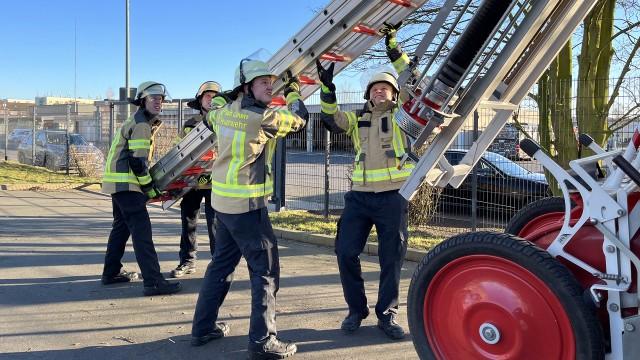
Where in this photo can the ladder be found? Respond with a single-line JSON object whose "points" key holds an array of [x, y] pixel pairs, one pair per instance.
{"points": [[339, 33], [526, 36], [186, 166]]}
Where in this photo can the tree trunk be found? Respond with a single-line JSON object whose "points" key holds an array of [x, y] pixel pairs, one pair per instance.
{"points": [[593, 72], [554, 106]]}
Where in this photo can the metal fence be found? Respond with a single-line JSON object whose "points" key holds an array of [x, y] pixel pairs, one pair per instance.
{"points": [[319, 164]]}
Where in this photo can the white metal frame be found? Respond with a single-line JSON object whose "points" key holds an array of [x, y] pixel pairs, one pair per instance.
{"points": [[607, 211]]}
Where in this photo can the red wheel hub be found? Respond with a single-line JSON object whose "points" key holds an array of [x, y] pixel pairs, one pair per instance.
{"points": [[484, 293]]}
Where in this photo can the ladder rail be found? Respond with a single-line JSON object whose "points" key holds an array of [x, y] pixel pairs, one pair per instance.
{"points": [[332, 31], [529, 70], [485, 62], [427, 41], [481, 52], [564, 19]]}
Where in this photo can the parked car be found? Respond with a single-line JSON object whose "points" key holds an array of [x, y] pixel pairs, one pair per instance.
{"points": [[502, 185], [15, 137], [51, 150]]}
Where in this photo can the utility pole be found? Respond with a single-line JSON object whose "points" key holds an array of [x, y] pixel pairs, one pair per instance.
{"points": [[126, 76], [6, 131]]}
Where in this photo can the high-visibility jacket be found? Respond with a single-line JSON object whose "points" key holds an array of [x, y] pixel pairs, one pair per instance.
{"points": [[127, 165], [246, 139], [378, 141]]}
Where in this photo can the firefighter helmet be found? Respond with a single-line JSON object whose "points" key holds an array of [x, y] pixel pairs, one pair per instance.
{"points": [[206, 86], [385, 77], [250, 69], [147, 88]]}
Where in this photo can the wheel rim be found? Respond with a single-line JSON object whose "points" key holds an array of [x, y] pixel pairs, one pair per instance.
{"points": [[483, 293], [542, 224]]}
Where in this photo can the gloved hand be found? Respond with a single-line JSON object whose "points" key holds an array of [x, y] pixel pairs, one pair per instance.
{"points": [[293, 85], [390, 32], [151, 190], [326, 75], [204, 179]]}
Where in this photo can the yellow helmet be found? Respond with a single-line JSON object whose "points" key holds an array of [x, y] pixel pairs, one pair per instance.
{"points": [[147, 88], [385, 77], [206, 86], [250, 69]]}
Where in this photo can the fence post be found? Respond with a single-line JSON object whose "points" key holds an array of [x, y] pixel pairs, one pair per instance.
{"points": [[111, 123], [474, 178], [327, 162], [67, 137], [180, 115], [310, 135], [33, 137], [99, 121], [6, 131], [279, 170]]}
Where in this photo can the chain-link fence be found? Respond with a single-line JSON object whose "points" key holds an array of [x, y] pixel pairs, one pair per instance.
{"points": [[319, 164], [76, 138], [504, 180]]}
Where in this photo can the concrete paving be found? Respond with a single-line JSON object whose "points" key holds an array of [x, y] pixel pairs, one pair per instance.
{"points": [[53, 306]]}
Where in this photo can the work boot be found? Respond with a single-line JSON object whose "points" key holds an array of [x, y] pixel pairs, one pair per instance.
{"points": [[183, 269], [391, 328], [162, 287], [271, 348], [352, 322], [122, 277], [221, 330]]}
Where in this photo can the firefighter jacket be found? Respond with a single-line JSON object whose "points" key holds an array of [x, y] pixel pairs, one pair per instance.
{"points": [[127, 165], [378, 141], [246, 132]]}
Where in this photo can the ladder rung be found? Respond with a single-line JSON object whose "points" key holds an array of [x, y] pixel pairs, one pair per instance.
{"points": [[194, 170], [208, 156], [405, 3], [278, 101], [364, 29], [334, 57], [178, 184], [307, 80]]}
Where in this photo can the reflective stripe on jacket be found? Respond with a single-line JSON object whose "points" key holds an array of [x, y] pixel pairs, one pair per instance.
{"points": [[246, 135], [127, 165]]}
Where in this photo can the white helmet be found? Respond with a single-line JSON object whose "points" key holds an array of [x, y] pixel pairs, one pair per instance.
{"points": [[147, 88], [249, 70], [382, 77]]}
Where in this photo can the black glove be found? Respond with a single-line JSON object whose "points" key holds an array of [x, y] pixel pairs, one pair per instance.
{"points": [[151, 190], [390, 32], [326, 75], [293, 85]]}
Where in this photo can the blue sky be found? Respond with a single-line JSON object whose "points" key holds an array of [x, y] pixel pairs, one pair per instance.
{"points": [[180, 44]]}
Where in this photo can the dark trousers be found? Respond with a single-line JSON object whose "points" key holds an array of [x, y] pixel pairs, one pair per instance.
{"points": [[189, 211], [388, 212], [249, 235], [130, 217]]}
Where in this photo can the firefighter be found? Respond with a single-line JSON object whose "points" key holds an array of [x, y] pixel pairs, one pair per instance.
{"points": [[247, 130], [374, 199], [127, 180], [190, 205]]}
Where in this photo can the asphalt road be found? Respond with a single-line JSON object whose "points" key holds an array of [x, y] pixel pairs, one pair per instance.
{"points": [[53, 306]]}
